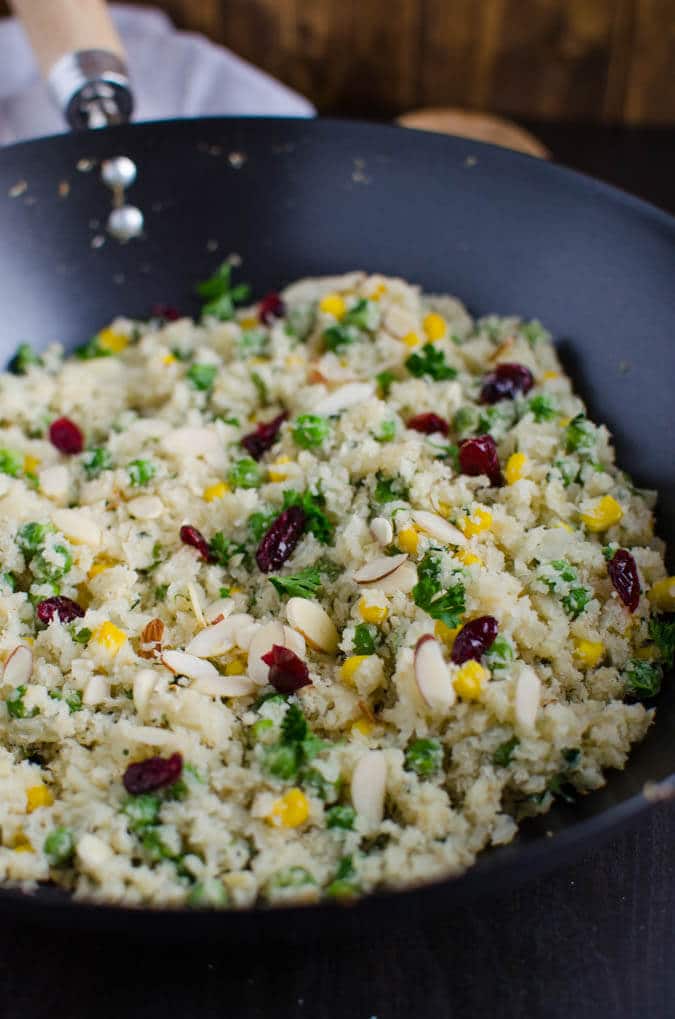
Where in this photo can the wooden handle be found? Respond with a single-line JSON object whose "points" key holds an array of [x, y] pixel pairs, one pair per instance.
{"points": [[58, 27]]}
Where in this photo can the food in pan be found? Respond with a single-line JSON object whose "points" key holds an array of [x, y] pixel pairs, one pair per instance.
{"points": [[315, 596]]}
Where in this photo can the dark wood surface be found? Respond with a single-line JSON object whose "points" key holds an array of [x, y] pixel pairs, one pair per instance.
{"points": [[600, 60], [593, 940]]}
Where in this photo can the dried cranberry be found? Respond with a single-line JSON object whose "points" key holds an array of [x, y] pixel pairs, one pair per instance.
{"points": [[281, 538], [288, 673], [624, 576], [61, 608], [191, 536], [429, 423], [479, 456], [166, 312], [505, 382], [66, 436], [271, 307], [259, 441], [152, 773], [474, 639]]}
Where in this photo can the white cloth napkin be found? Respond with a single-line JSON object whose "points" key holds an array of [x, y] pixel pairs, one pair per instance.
{"points": [[173, 74]]}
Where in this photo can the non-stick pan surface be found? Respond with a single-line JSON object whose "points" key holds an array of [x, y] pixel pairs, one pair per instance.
{"points": [[504, 232]]}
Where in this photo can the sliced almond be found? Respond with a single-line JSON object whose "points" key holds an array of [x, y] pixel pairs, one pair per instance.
{"points": [[368, 787], [400, 581], [379, 568], [294, 641], [193, 595], [18, 667], [436, 527], [399, 321], [244, 631], [314, 623], [151, 639], [145, 507], [183, 664], [212, 640], [381, 530], [264, 640], [344, 398], [96, 691], [432, 675], [77, 526], [217, 610], [225, 686], [143, 688], [503, 347], [528, 695], [54, 482]]}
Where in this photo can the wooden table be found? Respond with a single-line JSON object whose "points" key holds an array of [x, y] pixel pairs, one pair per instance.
{"points": [[595, 940]]}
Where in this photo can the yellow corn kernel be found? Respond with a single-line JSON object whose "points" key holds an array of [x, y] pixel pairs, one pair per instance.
{"points": [[372, 613], [278, 475], [445, 509], [563, 525], [31, 464], [468, 558], [217, 491], [434, 326], [38, 796], [515, 465], [479, 521], [549, 376], [169, 359], [235, 667], [470, 681], [290, 810], [235, 590], [411, 340], [333, 304], [605, 513], [363, 727], [22, 844], [662, 594], [349, 667], [408, 539], [563, 422], [294, 361], [589, 652], [110, 637], [378, 292], [248, 322], [446, 633], [99, 565], [114, 342]]}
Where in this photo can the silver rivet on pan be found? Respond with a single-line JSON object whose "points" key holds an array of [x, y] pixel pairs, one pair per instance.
{"points": [[125, 222], [118, 172]]}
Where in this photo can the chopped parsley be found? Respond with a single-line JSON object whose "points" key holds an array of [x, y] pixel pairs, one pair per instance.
{"points": [[222, 549], [95, 461], [501, 758], [259, 523], [340, 816], [11, 463], [643, 678], [541, 407], [82, 636], [387, 432], [364, 642], [389, 489], [534, 332], [385, 380], [430, 361], [424, 757], [345, 883], [261, 386], [318, 523], [305, 584], [290, 756], [465, 421], [91, 350], [662, 632], [447, 606], [140, 472], [338, 336], [561, 579], [202, 376], [24, 358], [220, 296], [15, 705], [580, 435], [364, 314]]}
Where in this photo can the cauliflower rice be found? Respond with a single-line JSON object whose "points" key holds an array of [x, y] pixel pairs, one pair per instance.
{"points": [[399, 759]]}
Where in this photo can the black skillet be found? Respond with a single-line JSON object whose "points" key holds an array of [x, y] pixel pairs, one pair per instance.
{"points": [[505, 232]]}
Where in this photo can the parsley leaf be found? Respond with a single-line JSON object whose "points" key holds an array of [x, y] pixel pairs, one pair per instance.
{"points": [[542, 408], [385, 381], [23, 359], [219, 295], [643, 678], [364, 639], [318, 523], [304, 584], [504, 752], [95, 461], [202, 376], [449, 605], [431, 361], [662, 632], [389, 489]]}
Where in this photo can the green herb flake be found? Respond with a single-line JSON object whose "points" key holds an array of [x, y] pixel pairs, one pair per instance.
{"points": [[502, 756], [304, 584], [202, 376], [430, 361], [387, 432], [424, 757], [15, 705], [291, 877], [340, 816], [95, 461], [208, 894], [643, 678], [11, 463], [220, 296], [338, 336], [389, 489], [542, 408], [580, 435], [310, 431], [385, 380], [318, 523], [447, 606], [24, 358], [662, 632], [261, 386], [142, 811], [91, 350], [364, 314], [364, 639], [140, 472]]}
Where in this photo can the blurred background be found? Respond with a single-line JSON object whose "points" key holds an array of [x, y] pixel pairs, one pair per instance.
{"points": [[599, 61]]}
